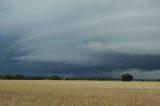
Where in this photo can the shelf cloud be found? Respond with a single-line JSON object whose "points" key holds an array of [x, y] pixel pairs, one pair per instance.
{"points": [[84, 33]]}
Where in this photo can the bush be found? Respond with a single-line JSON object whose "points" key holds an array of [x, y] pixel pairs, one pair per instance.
{"points": [[126, 77]]}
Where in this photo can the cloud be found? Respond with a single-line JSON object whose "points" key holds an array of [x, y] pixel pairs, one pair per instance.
{"points": [[129, 48], [87, 33]]}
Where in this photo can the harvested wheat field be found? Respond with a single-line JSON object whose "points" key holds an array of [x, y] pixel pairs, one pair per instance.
{"points": [[78, 93]]}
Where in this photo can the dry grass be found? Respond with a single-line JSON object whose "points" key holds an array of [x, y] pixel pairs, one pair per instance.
{"points": [[79, 93]]}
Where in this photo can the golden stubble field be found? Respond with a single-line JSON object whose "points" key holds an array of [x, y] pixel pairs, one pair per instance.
{"points": [[78, 93]]}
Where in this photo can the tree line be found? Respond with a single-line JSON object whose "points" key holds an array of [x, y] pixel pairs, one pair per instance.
{"points": [[54, 77], [22, 77], [124, 77]]}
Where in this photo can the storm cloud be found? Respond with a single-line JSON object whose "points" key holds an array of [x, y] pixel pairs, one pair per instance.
{"points": [[89, 35]]}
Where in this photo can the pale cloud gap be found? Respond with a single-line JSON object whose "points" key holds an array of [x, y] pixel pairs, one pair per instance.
{"points": [[73, 30]]}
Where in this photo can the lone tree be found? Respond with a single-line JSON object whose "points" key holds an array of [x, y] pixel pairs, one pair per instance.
{"points": [[126, 77]]}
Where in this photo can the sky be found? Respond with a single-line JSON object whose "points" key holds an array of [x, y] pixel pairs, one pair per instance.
{"points": [[80, 37]]}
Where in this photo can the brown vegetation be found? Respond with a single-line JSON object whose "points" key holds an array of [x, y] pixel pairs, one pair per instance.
{"points": [[78, 93]]}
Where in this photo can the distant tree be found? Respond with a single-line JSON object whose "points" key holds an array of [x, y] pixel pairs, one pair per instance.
{"points": [[55, 78], [8, 76], [1, 76], [126, 77], [18, 76], [37, 78]]}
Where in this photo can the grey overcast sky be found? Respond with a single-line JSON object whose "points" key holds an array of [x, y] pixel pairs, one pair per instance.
{"points": [[80, 37]]}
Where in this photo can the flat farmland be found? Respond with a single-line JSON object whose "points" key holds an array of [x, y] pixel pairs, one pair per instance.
{"points": [[78, 93]]}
